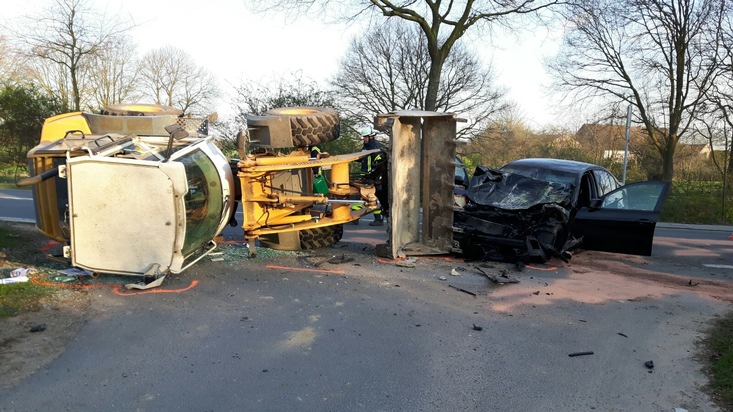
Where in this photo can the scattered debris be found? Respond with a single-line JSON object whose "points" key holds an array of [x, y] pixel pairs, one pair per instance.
{"points": [[321, 262], [463, 290], [479, 328], [334, 260], [77, 272], [152, 279], [341, 259], [15, 273], [622, 334], [649, 364], [580, 353], [454, 272], [442, 278], [501, 279], [63, 279], [217, 259], [691, 283], [536, 293], [38, 328], [407, 263]]}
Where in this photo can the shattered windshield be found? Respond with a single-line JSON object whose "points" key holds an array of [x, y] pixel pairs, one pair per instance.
{"points": [[518, 188]]}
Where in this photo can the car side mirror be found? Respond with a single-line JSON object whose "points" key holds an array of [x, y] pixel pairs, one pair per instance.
{"points": [[595, 204]]}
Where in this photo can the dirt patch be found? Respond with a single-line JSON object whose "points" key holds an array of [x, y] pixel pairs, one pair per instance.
{"points": [[32, 339], [54, 325]]}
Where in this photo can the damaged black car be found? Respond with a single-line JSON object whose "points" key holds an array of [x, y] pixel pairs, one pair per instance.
{"points": [[532, 210]]}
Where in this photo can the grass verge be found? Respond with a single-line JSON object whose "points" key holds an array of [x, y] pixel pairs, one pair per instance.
{"points": [[18, 297], [718, 355]]}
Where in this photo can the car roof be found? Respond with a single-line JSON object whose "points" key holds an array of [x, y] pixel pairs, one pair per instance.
{"points": [[553, 164]]}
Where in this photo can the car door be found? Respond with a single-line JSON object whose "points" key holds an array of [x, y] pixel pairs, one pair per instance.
{"points": [[622, 221]]}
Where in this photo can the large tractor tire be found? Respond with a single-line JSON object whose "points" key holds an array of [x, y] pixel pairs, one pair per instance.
{"points": [[307, 239], [310, 125], [140, 110], [321, 237]]}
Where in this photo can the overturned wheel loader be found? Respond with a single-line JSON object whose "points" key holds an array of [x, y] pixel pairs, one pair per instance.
{"points": [[143, 189]]}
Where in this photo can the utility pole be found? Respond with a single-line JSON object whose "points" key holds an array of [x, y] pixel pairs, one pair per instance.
{"points": [[628, 137]]}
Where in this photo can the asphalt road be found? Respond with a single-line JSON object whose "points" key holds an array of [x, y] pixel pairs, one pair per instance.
{"points": [[279, 333]]}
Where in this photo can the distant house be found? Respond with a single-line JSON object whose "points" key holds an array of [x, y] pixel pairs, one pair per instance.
{"points": [[565, 142], [609, 140]]}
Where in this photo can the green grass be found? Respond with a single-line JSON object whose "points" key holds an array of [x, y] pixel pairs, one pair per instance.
{"points": [[21, 297], [9, 239], [718, 353], [697, 203]]}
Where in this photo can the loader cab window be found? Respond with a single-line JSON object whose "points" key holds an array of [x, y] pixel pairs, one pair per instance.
{"points": [[203, 201]]}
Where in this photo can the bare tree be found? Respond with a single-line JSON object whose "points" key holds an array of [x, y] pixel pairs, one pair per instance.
{"points": [[652, 54], [387, 69], [717, 118], [10, 63], [63, 42], [113, 74], [441, 23], [170, 77]]}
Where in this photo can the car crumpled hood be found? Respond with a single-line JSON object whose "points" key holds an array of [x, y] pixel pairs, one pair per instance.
{"points": [[512, 191]]}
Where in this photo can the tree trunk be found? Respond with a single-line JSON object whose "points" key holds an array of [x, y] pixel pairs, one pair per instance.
{"points": [[431, 96], [668, 159]]}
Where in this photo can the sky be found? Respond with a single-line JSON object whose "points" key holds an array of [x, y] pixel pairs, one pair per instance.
{"points": [[237, 44]]}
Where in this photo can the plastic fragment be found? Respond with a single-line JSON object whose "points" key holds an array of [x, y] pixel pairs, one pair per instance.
{"points": [[18, 279]]}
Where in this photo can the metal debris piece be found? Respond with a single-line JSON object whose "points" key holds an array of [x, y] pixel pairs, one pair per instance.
{"points": [[478, 328], [463, 290], [622, 334], [454, 272], [580, 353]]}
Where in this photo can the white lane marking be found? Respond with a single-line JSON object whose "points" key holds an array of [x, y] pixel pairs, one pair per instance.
{"points": [[3, 196], [718, 266]]}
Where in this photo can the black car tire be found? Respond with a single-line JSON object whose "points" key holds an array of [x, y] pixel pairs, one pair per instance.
{"points": [[310, 125]]}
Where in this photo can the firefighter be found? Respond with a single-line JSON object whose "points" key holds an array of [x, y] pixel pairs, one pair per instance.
{"points": [[374, 167], [319, 181]]}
